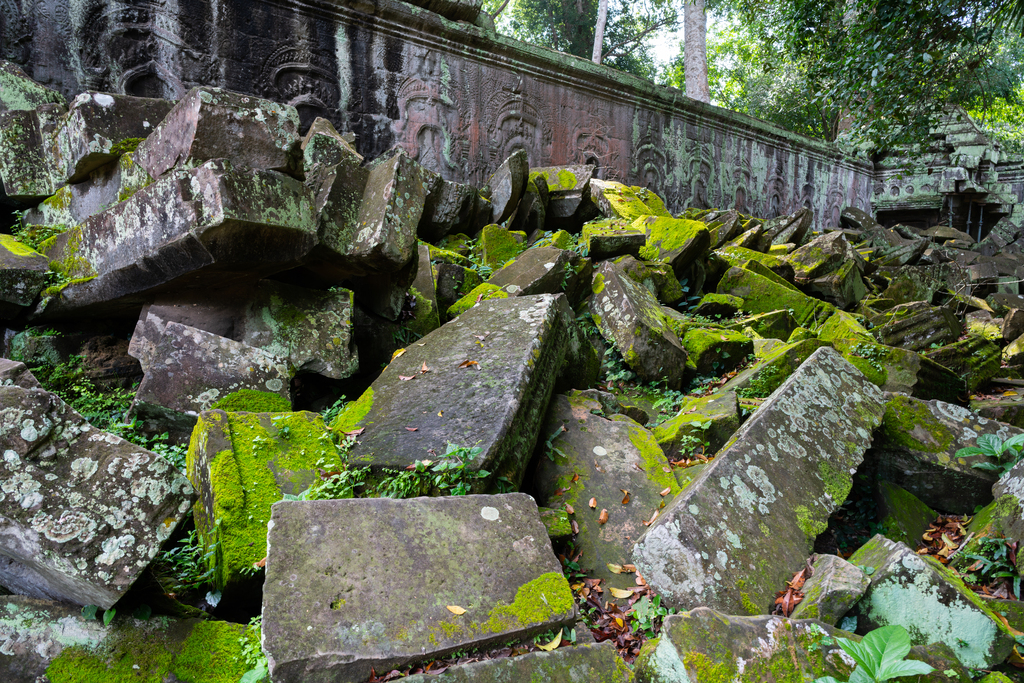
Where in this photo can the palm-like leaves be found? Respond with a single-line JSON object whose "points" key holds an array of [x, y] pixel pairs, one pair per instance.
{"points": [[1009, 14], [880, 657]]}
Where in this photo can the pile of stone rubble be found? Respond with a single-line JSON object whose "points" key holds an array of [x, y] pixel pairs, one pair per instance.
{"points": [[208, 252]]}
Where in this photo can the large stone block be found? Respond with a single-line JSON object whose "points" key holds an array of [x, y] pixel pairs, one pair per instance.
{"points": [[241, 464], [592, 456], [22, 276], [584, 663], [211, 123], [931, 602], [188, 369], [100, 127], [489, 375], [82, 512], [748, 521], [507, 185], [18, 92], [762, 295], [835, 585], [195, 229], [486, 575], [631, 318], [24, 163], [916, 449], [541, 270]]}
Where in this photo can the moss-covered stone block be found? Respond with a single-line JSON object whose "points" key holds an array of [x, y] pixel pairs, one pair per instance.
{"points": [[975, 358], [616, 200], [594, 663], [54, 642], [599, 457], [741, 256], [611, 237], [491, 374], [675, 241], [916, 448], [843, 289], [823, 255], [499, 246], [253, 401], [718, 306], [631, 318], [917, 326], [241, 464], [23, 274], [772, 325], [557, 522], [774, 365], [834, 586], [902, 516], [658, 278], [1002, 518], [761, 295], [931, 602], [18, 92], [710, 420], [735, 534], [983, 324], [538, 270], [25, 169], [715, 351], [486, 576], [482, 292]]}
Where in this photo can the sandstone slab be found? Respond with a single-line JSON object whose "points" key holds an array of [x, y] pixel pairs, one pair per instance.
{"points": [[748, 521], [584, 663], [18, 92], [540, 270], [507, 185], [22, 275], [328, 610], [15, 373], [835, 585], [82, 512], [931, 602], [24, 165], [489, 375]]}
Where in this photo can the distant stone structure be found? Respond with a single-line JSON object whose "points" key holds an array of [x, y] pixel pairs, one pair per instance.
{"points": [[457, 97]]}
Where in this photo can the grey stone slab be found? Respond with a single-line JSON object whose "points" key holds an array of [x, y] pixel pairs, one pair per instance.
{"points": [[82, 512], [23, 274], [835, 585], [18, 92], [13, 372], [543, 270], [212, 123], [916, 449], [98, 128], [330, 611], [25, 166], [586, 663], [739, 531], [491, 372], [931, 602], [447, 209], [507, 185]]}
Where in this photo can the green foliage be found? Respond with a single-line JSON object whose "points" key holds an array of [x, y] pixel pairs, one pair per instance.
{"points": [[873, 354], [103, 408], [763, 383], [252, 652], [34, 235], [993, 563], [614, 367], [880, 656], [1006, 453], [185, 567], [647, 615]]}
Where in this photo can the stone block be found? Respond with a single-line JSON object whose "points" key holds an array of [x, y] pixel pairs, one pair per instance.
{"points": [[490, 374], [447, 209], [15, 373], [835, 585], [583, 663], [211, 123], [82, 512], [25, 165], [843, 289], [569, 205], [789, 229], [18, 92], [712, 418], [507, 185], [761, 295], [916, 447], [540, 270], [187, 370], [675, 241], [711, 351], [204, 227], [741, 256], [612, 237], [99, 128], [499, 245], [824, 255], [616, 200], [587, 455], [931, 602], [975, 358], [241, 464], [902, 516], [23, 274], [748, 521], [487, 576], [916, 326], [629, 317]]}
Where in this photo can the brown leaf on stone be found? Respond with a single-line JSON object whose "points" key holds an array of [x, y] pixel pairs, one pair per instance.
{"points": [[424, 368], [648, 522], [593, 503], [665, 491], [261, 563], [412, 429], [406, 379], [575, 477], [455, 609], [575, 526], [629, 568], [625, 496], [603, 517], [356, 432], [569, 509], [468, 364]]}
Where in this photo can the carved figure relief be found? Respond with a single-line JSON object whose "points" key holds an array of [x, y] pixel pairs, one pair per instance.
{"points": [[513, 123], [298, 76]]}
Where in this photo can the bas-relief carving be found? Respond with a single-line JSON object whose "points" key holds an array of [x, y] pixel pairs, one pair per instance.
{"points": [[301, 77]]}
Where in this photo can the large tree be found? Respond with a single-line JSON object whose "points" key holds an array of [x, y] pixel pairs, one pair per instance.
{"points": [[695, 57]]}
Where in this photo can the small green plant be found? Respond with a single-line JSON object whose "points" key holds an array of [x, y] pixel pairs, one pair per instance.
{"points": [[1005, 453], [184, 567], [647, 615], [880, 656], [252, 652], [994, 562], [615, 369], [763, 383], [872, 353]]}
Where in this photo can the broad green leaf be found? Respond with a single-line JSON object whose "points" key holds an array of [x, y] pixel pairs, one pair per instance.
{"points": [[858, 675], [903, 668], [827, 679], [990, 443], [894, 642], [108, 616], [970, 450], [1014, 441]]}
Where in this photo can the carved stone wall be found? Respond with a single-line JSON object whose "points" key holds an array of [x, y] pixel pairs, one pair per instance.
{"points": [[456, 97]]}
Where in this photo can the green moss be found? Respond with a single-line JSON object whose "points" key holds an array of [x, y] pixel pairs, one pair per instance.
{"points": [[17, 248], [597, 286], [908, 422], [707, 671], [252, 401], [837, 482], [482, 292], [666, 235], [348, 420], [652, 456], [808, 523], [536, 602], [748, 604], [126, 146], [566, 179], [212, 653], [501, 245]]}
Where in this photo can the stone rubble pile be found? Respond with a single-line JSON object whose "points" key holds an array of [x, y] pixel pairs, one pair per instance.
{"points": [[237, 276]]}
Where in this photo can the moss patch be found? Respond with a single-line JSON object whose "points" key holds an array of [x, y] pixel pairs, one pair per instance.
{"points": [[252, 401]]}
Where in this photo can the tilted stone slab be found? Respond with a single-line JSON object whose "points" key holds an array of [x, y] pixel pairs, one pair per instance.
{"points": [[23, 274], [762, 649], [585, 663], [187, 370], [42, 640], [24, 162], [82, 512], [919, 326], [240, 465], [592, 456], [15, 373], [931, 602], [630, 317], [194, 229], [18, 92], [762, 295], [542, 270], [742, 528], [507, 185], [490, 374], [569, 204], [448, 208], [916, 449], [329, 612], [835, 585], [211, 123], [100, 127]]}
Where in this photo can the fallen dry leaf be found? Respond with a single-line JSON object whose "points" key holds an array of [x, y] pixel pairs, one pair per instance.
{"points": [[575, 477], [648, 522], [620, 593], [614, 568], [424, 368], [592, 503], [569, 509], [468, 364], [629, 568], [412, 429], [553, 644], [603, 517], [575, 526], [261, 563], [406, 379], [356, 432], [397, 353], [625, 496], [665, 491], [455, 609]]}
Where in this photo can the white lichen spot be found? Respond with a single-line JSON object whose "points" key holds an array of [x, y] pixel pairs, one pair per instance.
{"points": [[83, 468], [489, 513], [103, 99], [600, 450], [114, 549], [28, 431], [274, 384]]}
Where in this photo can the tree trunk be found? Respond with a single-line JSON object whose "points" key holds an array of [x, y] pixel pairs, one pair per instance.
{"points": [[695, 50], [602, 19]]}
